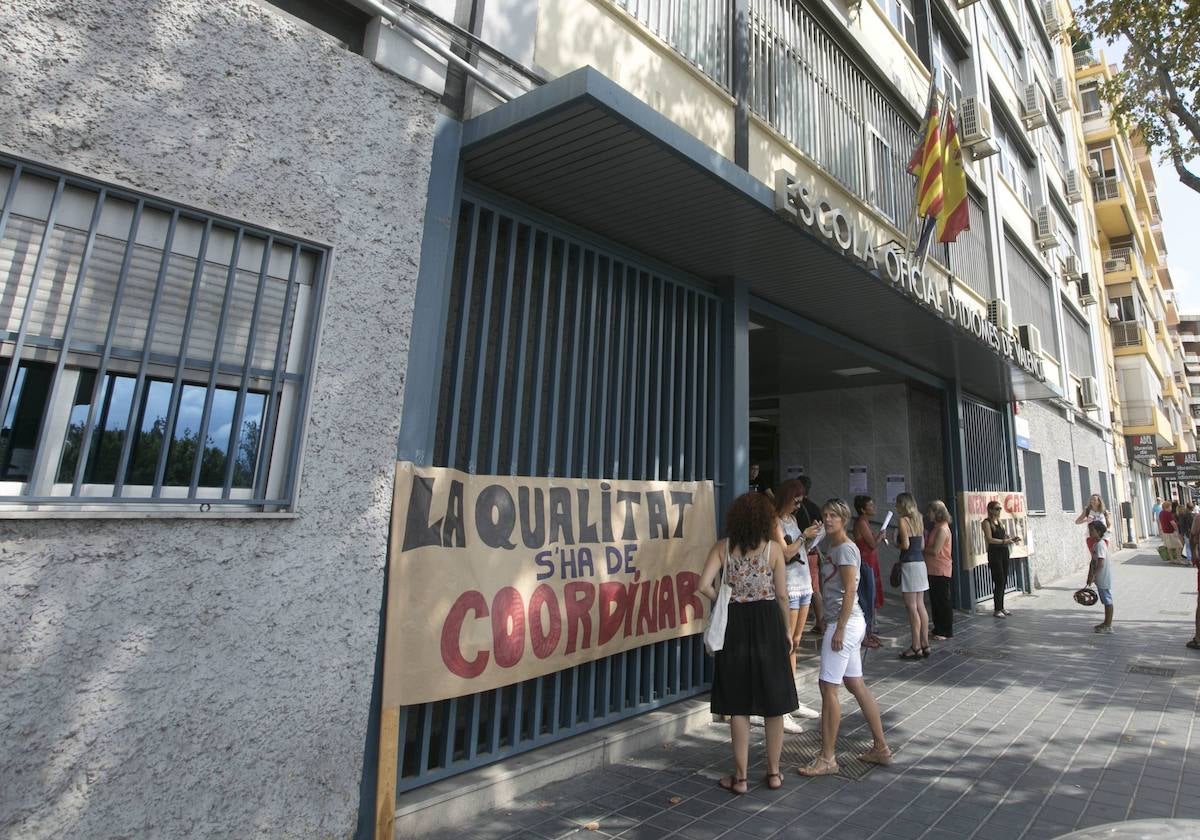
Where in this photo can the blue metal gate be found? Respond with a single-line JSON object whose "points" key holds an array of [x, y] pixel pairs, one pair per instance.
{"points": [[566, 359], [987, 446]]}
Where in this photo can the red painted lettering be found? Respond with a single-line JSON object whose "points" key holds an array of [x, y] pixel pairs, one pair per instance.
{"points": [[612, 610], [686, 586], [508, 627], [452, 633], [666, 602], [579, 595], [544, 642]]}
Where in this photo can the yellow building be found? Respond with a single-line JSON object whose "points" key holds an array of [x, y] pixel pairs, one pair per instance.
{"points": [[1148, 357]]}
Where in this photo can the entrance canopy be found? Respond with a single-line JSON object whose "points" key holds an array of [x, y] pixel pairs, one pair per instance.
{"points": [[589, 152]]}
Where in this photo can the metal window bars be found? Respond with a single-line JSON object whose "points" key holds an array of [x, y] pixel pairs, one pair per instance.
{"points": [[809, 90], [142, 308], [699, 30], [565, 358]]}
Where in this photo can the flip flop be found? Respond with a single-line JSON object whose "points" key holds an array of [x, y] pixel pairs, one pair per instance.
{"points": [[730, 783], [774, 780], [819, 767]]}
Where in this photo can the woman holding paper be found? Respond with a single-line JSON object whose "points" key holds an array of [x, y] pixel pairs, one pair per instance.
{"points": [[914, 579], [751, 674], [841, 654]]}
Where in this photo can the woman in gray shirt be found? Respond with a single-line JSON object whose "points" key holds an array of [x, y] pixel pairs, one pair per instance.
{"points": [[841, 660]]}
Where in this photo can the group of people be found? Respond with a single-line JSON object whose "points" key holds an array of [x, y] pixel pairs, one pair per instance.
{"points": [[1180, 530], [777, 576]]}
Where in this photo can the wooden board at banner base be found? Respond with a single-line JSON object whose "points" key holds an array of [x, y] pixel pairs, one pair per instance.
{"points": [[972, 510], [497, 579]]}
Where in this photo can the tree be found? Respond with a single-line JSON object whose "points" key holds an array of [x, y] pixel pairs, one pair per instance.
{"points": [[1157, 91]]}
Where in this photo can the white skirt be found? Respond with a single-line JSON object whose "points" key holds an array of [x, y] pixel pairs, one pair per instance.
{"points": [[914, 577]]}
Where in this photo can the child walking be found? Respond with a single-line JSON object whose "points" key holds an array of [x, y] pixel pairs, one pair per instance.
{"points": [[1100, 573]]}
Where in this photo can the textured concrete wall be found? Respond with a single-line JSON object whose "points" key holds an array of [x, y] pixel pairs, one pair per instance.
{"points": [[1059, 547], [185, 678]]}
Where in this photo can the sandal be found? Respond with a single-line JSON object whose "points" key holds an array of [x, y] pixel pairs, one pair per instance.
{"points": [[774, 781], [872, 642], [882, 757], [732, 783], [819, 767], [925, 651], [911, 653]]}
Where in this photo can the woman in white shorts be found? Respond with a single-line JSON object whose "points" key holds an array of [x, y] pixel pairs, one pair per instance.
{"points": [[841, 658]]}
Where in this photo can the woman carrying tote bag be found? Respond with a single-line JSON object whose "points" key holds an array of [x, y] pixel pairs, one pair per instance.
{"points": [[752, 674]]}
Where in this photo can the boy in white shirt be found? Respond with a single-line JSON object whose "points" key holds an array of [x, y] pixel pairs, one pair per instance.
{"points": [[1100, 573]]}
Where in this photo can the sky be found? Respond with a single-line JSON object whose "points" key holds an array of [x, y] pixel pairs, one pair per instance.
{"points": [[1179, 207]]}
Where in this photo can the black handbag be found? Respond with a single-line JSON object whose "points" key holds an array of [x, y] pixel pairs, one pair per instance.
{"points": [[894, 578]]}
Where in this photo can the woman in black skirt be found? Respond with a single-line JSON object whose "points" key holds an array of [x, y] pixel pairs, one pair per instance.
{"points": [[753, 675]]}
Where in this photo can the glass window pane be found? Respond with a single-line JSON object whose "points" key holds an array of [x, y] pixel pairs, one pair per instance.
{"points": [[184, 436], [249, 440], [143, 458], [76, 426], [216, 445], [116, 393], [23, 419]]}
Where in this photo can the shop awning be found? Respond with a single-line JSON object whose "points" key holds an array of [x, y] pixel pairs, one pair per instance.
{"points": [[589, 152]]}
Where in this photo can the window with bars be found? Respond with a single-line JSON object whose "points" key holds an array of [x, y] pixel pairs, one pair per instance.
{"points": [[149, 353], [1066, 486], [1035, 491], [1079, 343], [1031, 295], [805, 85], [697, 29], [969, 257]]}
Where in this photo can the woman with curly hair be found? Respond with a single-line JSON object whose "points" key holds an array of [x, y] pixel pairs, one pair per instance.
{"points": [[752, 674], [841, 656]]}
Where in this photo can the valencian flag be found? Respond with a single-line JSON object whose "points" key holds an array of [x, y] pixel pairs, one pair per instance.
{"points": [[926, 163], [953, 217]]}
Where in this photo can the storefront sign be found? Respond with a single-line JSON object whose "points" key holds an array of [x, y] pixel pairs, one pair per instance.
{"points": [[972, 510], [888, 261], [1168, 471], [1187, 466], [497, 579], [1142, 448]]}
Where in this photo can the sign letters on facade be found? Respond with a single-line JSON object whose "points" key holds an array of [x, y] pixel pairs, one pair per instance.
{"points": [[800, 203]]}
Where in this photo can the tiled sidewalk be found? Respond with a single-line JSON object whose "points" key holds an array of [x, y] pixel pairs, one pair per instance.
{"points": [[1030, 726]]}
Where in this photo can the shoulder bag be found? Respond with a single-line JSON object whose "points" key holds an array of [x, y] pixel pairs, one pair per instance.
{"points": [[714, 633]]}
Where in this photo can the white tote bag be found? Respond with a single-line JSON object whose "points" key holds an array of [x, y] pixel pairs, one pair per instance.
{"points": [[714, 633]]}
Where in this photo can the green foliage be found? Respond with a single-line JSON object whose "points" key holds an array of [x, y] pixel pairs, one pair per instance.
{"points": [[1157, 91]]}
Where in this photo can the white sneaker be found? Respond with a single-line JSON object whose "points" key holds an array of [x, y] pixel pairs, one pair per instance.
{"points": [[791, 725], [806, 712], [999, 614]]}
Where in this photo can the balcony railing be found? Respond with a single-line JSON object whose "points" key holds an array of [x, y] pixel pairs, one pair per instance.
{"points": [[1104, 189], [1138, 413], [696, 29], [1084, 58], [1118, 259], [1126, 334]]}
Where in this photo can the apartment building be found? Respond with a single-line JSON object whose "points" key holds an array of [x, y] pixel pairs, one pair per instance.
{"points": [[1189, 336], [255, 253], [1152, 389]]}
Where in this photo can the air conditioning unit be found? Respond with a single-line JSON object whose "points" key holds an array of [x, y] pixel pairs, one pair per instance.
{"points": [[1033, 107], [1047, 228], [1113, 266], [1030, 338], [1051, 17], [1089, 393], [1093, 169], [1086, 296], [1000, 315], [1062, 95], [1074, 186], [975, 123], [1071, 268]]}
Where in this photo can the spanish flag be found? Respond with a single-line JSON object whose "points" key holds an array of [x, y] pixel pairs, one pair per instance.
{"points": [[926, 162], [954, 216]]}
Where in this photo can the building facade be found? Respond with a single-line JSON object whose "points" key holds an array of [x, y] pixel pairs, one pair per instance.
{"points": [[253, 252], [1152, 389]]}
